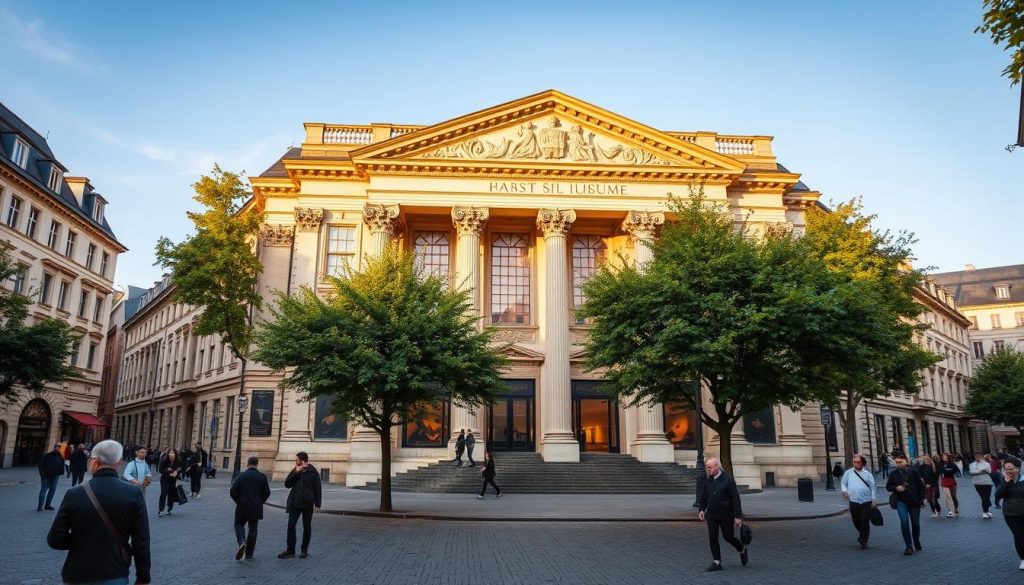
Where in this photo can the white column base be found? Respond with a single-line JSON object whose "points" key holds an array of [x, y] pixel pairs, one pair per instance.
{"points": [[364, 462], [744, 470], [654, 452], [560, 452]]}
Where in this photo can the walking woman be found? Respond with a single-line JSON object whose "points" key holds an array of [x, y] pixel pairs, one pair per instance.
{"points": [[931, 484], [981, 477], [947, 481], [1012, 494], [170, 470], [488, 473], [907, 484]]}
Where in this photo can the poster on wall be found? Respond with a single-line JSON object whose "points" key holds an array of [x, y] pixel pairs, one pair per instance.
{"points": [[680, 426], [262, 413], [759, 426], [328, 426]]}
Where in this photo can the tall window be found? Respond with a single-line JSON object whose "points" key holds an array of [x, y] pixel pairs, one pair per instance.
{"points": [[90, 255], [83, 302], [432, 253], [341, 246], [19, 154], [996, 322], [979, 349], [74, 352], [510, 279], [69, 245], [1020, 318], [18, 280], [62, 295], [44, 292], [54, 182], [13, 212], [998, 345], [33, 221], [54, 237], [97, 308], [91, 359], [104, 260], [588, 255], [974, 322], [230, 423], [1002, 291], [97, 213]]}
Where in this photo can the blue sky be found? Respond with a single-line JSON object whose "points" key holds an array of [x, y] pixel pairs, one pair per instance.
{"points": [[899, 102]]}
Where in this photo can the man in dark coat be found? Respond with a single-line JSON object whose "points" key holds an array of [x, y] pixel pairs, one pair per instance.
{"points": [[249, 491], [460, 446], [303, 499], [906, 483], [719, 505], [470, 443], [101, 550], [79, 463], [51, 467], [196, 464]]}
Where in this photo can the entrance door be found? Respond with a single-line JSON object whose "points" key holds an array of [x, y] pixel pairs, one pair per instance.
{"points": [[33, 432], [511, 418], [595, 418]]}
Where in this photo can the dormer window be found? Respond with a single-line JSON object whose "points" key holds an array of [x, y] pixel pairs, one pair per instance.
{"points": [[55, 179], [97, 210], [1002, 291], [19, 154]]}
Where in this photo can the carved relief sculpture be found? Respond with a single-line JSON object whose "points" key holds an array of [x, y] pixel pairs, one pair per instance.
{"points": [[527, 145], [308, 219], [276, 235], [381, 218], [469, 220], [552, 141], [555, 222]]}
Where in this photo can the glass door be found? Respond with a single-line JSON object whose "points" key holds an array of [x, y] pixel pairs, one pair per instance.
{"points": [[511, 418], [595, 418]]}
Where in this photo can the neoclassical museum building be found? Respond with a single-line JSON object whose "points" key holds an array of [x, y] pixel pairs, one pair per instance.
{"points": [[520, 203]]}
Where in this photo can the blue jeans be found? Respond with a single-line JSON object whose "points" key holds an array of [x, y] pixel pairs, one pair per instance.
{"points": [[910, 523], [47, 490]]}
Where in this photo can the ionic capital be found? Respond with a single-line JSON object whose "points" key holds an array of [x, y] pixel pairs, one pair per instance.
{"points": [[277, 235], [643, 225], [381, 219], [469, 220], [308, 219], [555, 222]]}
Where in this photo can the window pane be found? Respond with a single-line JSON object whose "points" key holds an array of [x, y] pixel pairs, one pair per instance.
{"points": [[327, 424], [588, 255], [510, 279], [341, 239], [431, 249], [759, 427]]}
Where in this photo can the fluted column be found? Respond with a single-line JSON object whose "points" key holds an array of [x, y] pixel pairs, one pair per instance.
{"points": [[364, 456], [469, 225], [557, 440], [650, 444]]}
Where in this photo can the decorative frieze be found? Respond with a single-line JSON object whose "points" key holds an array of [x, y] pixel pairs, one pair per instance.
{"points": [[381, 219], [469, 220], [555, 222], [308, 219], [277, 235]]}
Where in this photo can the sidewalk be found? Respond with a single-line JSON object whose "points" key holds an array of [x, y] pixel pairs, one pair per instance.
{"points": [[770, 505]]}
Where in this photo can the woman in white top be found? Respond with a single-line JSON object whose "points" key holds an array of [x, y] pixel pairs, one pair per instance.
{"points": [[982, 479]]}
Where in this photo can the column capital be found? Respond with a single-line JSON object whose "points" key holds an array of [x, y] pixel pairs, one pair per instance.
{"points": [[643, 225], [308, 219], [381, 218], [469, 220], [555, 222], [277, 235]]}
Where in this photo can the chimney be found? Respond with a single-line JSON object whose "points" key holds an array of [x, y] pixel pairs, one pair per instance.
{"points": [[80, 186], [969, 268]]}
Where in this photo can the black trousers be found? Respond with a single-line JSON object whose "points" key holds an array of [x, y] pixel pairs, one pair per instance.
{"points": [[489, 480], [307, 527], [727, 526], [168, 495], [469, 455], [77, 477], [1016, 524], [985, 493], [196, 479], [861, 516], [250, 539]]}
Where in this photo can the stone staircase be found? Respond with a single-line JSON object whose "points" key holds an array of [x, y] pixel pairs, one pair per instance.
{"points": [[527, 473]]}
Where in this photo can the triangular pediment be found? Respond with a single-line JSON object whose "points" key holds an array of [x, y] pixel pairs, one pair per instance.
{"points": [[549, 129], [519, 353]]}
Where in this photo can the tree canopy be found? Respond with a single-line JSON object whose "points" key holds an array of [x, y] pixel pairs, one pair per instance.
{"points": [[743, 313], [997, 389], [31, 356], [1003, 20], [385, 344]]}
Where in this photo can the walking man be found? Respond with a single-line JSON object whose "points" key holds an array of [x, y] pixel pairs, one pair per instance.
{"points": [[908, 485], [136, 471], [103, 525], [859, 488], [460, 446], [720, 507], [250, 491], [51, 467], [196, 465], [303, 499], [470, 443], [79, 463]]}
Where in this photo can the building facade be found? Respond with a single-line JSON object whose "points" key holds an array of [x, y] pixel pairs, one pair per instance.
{"points": [[519, 203], [54, 226], [993, 300]]}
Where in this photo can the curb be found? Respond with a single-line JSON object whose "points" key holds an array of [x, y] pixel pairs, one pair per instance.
{"points": [[443, 518]]}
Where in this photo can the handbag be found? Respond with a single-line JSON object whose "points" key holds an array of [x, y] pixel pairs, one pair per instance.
{"points": [[746, 535], [876, 515], [125, 549], [182, 499]]}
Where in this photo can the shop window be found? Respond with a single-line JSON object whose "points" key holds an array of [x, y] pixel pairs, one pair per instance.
{"points": [[327, 425]]}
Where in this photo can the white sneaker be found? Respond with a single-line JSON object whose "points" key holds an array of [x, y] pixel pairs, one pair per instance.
{"points": [[479, 497], [1022, 565], [949, 514]]}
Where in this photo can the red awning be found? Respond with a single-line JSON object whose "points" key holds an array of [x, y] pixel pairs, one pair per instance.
{"points": [[84, 418]]}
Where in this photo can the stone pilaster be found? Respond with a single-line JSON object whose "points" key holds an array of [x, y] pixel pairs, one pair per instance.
{"points": [[382, 220], [557, 440], [469, 225], [650, 443]]}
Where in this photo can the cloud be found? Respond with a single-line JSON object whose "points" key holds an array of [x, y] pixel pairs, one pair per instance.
{"points": [[33, 37]]}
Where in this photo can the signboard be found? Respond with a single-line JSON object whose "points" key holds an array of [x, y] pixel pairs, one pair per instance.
{"points": [[262, 413], [826, 415]]}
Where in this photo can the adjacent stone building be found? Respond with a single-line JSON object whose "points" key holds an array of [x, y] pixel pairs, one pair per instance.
{"points": [[55, 228]]}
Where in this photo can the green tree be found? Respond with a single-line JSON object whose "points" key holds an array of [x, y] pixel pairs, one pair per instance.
{"points": [[872, 349], [386, 344], [30, 355], [1003, 20], [216, 268], [997, 390], [740, 312]]}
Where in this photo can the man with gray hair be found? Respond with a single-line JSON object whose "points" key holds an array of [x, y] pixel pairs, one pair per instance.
{"points": [[103, 524], [719, 504]]}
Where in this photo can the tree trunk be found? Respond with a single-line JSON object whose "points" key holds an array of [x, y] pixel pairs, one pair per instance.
{"points": [[723, 426], [385, 469], [848, 416]]}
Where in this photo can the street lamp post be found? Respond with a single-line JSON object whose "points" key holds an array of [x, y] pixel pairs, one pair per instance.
{"points": [[700, 441], [827, 422], [243, 405]]}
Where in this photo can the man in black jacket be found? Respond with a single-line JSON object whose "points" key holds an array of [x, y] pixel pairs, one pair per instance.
{"points": [[51, 467], [719, 504], [303, 500], [79, 465], [908, 488], [101, 549], [196, 464], [249, 491]]}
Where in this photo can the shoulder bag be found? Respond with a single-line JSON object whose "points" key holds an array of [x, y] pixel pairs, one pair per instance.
{"points": [[894, 497], [876, 515], [121, 541]]}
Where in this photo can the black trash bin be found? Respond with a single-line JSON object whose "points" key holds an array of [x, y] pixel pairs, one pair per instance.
{"points": [[805, 489]]}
